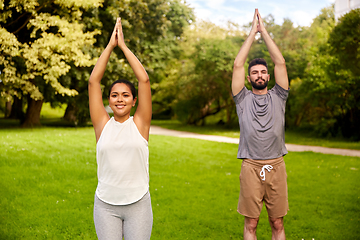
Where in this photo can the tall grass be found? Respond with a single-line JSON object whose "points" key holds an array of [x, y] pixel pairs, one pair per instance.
{"points": [[48, 179]]}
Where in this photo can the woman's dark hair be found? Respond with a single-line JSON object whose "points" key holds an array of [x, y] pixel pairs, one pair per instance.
{"points": [[257, 61], [128, 83]]}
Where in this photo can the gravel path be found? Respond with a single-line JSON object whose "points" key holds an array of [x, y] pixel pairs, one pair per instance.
{"points": [[156, 130]]}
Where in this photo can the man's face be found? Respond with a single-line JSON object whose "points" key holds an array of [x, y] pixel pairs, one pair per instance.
{"points": [[258, 77]]}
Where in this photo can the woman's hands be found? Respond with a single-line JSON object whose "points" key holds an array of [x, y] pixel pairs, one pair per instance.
{"points": [[117, 36]]}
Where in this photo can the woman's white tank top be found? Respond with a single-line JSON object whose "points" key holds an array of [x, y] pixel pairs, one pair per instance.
{"points": [[122, 156]]}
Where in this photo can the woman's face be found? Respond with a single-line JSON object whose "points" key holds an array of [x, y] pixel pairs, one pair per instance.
{"points": [[121, 100]]}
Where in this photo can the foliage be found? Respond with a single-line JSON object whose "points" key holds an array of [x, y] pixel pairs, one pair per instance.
{"points": [[45, 40], [326, 99], [303, 93], [207, 87], [48, 49], [40, 40], [151, 29], [345, 45], [200, 80], [58, 50], [345, 41], [323, 80], [194, 195]]}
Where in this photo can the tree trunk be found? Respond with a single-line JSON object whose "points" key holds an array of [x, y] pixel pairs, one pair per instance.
{"points": [[32, 118], [17, 110], [70, 113], [228, 108], [8, 106]]}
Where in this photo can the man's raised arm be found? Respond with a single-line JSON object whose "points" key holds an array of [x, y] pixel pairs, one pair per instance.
{"points": [[280, 71], [238, 77]]}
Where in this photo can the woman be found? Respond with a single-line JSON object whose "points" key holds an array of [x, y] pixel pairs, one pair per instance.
{"points": [[122, 205]]}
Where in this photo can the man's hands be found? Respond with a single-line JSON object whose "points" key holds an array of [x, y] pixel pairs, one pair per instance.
{"points": [[280, 71], [117, 36], [254, 26], [257, 23], [238, 78], [260, 26]]}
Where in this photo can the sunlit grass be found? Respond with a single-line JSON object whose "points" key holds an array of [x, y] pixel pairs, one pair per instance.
{"points": [[48, 112], [48, 179]]}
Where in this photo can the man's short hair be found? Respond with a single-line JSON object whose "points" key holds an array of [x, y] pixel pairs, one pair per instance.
{"points": [[257, 61]]}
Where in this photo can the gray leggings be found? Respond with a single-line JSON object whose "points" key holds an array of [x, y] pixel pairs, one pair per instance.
{"points": [[133, 221]]}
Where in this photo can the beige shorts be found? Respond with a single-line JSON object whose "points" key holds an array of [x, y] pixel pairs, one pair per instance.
{"points": [[263, 181]]}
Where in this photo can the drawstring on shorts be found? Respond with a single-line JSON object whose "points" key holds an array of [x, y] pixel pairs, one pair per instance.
{"points": [[262, 173]]}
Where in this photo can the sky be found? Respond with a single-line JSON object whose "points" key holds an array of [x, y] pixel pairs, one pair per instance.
{"points": [[300, 12]]}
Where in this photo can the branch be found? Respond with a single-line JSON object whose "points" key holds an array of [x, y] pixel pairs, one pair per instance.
{"points": [[11, 23], [27, 20]]}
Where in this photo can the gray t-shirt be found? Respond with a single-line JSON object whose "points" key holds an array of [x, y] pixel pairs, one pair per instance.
{"points": [[262, 123]]}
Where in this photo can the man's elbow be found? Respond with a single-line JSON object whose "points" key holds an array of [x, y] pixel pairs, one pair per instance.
{"points": [[238, 64], [280, 61]]}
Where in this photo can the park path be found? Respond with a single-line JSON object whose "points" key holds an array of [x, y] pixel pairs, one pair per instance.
{"points": [[156, 130]]}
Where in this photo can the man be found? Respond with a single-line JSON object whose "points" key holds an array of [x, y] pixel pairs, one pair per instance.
{"points": [[261, 115]]}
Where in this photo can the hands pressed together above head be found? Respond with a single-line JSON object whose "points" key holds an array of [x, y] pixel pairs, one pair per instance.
{"points": [[257, 24], [117, 36]]}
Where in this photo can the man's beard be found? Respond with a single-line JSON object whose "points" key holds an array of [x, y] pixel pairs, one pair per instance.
{"points": [[258, 86]]}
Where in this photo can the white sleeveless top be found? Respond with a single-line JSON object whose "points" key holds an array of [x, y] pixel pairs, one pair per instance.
{"points": [[122, 156]]}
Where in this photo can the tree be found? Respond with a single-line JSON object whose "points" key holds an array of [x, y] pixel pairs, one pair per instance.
{"points": [[345, 41], [209, 90], [147, 23], [152, 29], [39, 41], [198, 84], [201, 85], [326, 98], [307, 100]]}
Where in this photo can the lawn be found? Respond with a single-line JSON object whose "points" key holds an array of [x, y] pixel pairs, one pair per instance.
{"points": [[48, 179]]}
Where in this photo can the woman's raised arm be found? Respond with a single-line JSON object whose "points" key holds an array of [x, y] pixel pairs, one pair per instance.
{"points": [[98, 114], [142, 116]]}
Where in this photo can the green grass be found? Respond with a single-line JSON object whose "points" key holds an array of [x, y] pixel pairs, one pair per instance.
{"points": [[291, 136], [48, 180]]}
